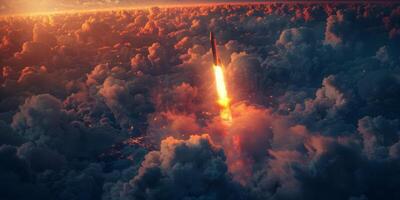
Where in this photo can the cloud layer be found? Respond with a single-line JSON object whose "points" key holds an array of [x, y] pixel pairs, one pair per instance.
{"points": [[121, 104]]}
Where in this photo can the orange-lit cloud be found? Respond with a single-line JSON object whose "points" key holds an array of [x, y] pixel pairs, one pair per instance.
{"points": [[123, 103]]}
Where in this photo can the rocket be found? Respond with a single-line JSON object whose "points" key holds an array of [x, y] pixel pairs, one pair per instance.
{"points": [[214, 49]]}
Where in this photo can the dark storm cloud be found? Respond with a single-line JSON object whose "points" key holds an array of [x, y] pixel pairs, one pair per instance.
{"points": [[380, 137], [121, 104], [42, 120], [17, 180], [8, 136], [163, 174]]}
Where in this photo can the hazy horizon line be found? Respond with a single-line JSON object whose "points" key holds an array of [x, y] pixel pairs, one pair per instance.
{"points": [[188, 4]]}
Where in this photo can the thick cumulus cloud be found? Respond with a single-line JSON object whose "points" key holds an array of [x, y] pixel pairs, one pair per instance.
{"points": [[17, 180], [164, 174], [42, 120], [122, 105]]}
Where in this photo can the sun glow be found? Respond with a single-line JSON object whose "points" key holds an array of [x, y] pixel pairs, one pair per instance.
{"points": [[223, 99]]}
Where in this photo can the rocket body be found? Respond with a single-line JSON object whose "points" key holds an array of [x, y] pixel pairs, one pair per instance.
{"points": [[213, 41], [223, 99]]}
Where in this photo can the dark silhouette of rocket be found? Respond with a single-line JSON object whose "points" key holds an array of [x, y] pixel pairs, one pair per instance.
{"points": [[213, 41]]}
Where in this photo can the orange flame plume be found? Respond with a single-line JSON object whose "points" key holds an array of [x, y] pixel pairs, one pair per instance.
{"points": [[223, 99]]}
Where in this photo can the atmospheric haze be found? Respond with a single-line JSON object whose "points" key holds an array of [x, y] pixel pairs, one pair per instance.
{"points": [[123, 104], [24, 7]]}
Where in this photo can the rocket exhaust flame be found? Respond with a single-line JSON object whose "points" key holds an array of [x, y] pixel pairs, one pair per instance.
{"points": [[223, 99]]}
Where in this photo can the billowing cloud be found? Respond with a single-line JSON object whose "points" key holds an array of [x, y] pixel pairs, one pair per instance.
{"points": [[163, 174], [121, 104]]}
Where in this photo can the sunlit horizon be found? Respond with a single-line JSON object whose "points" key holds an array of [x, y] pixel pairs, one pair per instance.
{"points": [[49, 7]]}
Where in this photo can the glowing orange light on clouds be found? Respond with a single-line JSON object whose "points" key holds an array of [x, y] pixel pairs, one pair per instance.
{"points": [[223, 99]]}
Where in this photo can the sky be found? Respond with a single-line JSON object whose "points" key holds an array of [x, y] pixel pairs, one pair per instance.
{"points": [[27, 6], [39, 6]]}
